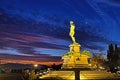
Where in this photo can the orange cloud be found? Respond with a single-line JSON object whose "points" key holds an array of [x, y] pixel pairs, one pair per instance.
{"points": [[29, 62]]}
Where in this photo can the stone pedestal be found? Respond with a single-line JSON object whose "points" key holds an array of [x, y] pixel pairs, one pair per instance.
{"points": [[75, 47], [74, 59]]}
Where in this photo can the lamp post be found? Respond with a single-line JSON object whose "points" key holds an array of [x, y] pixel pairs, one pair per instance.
{"points": [[32, 74], [35, 66]]}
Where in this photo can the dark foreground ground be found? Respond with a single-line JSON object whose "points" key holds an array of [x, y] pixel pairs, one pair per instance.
{"points": [[11, 76], [14, 76]]}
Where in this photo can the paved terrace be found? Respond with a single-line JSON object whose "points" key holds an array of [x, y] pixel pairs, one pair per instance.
{"points": [[84, 75]]}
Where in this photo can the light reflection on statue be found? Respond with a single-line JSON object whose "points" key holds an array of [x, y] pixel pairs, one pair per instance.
{"points": [[72, 31]]}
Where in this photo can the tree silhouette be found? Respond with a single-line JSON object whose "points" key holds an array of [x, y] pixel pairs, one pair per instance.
{"points": [[97, 60], [85, 52], [113, 57]]}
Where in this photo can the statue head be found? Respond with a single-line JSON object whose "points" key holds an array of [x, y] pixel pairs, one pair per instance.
{"points": [[71, 23]]}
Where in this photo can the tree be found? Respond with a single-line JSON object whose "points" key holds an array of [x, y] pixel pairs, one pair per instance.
{"points": [[97, 60], [56, 67], [110, 52], [85, 52], [113, 57]]}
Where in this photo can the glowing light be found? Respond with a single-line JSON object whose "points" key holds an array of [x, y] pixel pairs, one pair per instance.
{"points": [[90, 64], [35, 65]]}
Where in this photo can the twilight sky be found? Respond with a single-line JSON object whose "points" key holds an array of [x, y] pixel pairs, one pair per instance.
{"points": [[38, 30]]}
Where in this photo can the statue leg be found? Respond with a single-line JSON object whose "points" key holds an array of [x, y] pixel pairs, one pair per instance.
{"points": [[73, 39]]}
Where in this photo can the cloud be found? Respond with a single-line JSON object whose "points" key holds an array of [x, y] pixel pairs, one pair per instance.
{"points": [[53, 18], [19, 45], [49, 36], [40, 57], [109, 2]]}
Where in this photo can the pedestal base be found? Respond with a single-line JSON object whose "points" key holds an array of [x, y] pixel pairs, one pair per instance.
{"points": [[82, 66], [74, 59]]}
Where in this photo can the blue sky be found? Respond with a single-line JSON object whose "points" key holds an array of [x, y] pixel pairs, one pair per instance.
{"points": [[41, 27]]}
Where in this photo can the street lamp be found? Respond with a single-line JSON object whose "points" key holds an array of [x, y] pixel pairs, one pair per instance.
{"points": [[35, 65]]}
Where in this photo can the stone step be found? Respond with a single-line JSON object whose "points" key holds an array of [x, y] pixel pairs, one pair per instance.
{"points": [[84, 75]]}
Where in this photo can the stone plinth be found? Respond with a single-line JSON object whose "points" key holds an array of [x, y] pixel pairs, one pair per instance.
{"points": [[75, 47], [73, 58]]}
